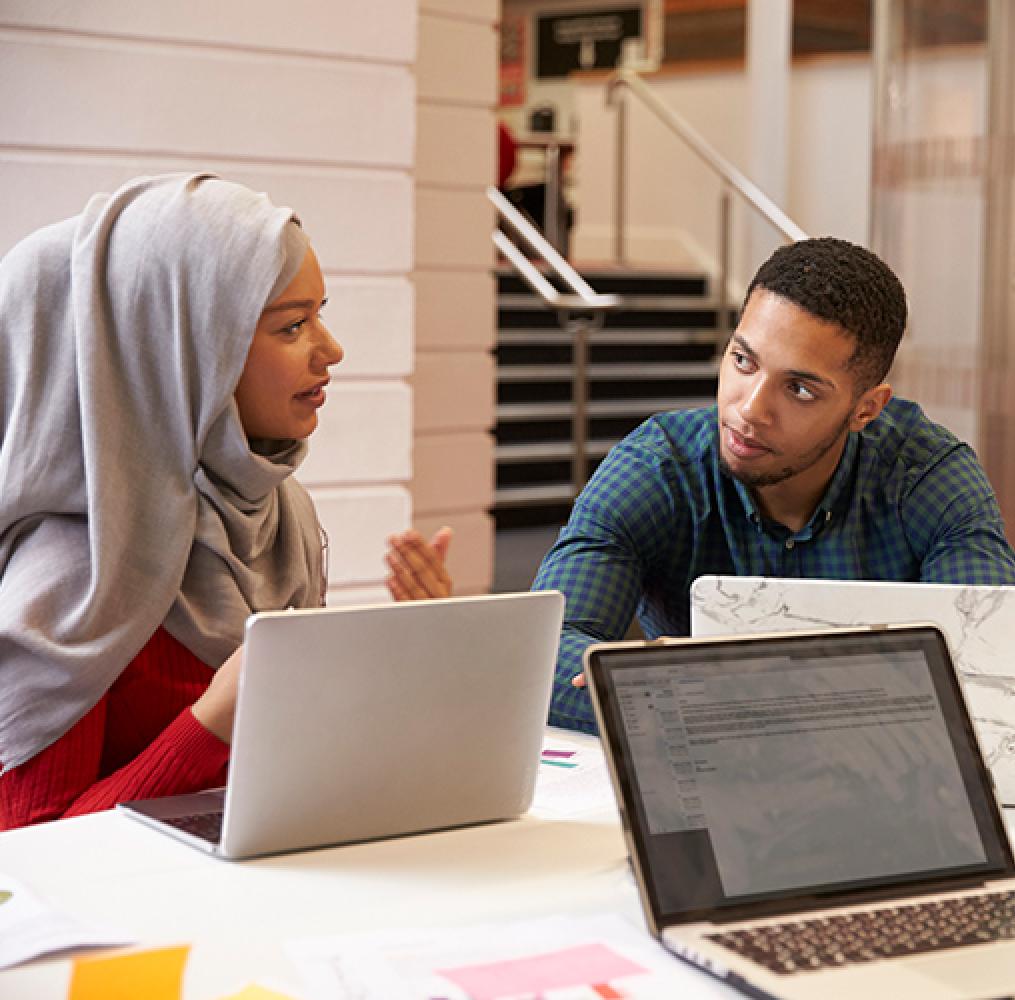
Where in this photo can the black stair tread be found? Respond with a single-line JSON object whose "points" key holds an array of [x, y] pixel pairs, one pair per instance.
{"points": [[610, 280], [633, 319]]}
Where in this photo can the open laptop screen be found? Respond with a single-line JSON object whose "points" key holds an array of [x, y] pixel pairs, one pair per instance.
{"points": [[782, 768]]}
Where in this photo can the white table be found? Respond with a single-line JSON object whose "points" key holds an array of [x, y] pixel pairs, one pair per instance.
{"points": [[237, 916]]}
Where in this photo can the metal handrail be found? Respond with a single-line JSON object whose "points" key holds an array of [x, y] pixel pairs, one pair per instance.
{"points": [[579, 312], [584, 297], [746, 188]]}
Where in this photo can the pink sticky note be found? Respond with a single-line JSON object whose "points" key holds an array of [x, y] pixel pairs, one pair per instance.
{"points": [[584, 965]]}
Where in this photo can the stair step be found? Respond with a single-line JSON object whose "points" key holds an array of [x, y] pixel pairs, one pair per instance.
{"points": [[597, 408], [549, 451], [524, 496], [619, 281], [611, 337], [541, 318], [533, 303], [615, 371]]}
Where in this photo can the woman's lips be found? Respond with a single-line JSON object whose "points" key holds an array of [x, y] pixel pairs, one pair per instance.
{"points": [[314, 396]]}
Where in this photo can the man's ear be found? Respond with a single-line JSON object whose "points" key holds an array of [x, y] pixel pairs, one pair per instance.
{"points": [[869, 405]]}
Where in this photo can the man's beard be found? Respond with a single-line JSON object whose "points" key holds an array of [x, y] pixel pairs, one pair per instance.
{"points": [[777, 476]]}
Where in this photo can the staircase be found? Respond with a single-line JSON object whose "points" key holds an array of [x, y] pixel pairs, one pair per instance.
{"points": [[657, 352]]}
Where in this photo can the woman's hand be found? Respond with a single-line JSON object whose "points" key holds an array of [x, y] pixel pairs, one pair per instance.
{"points": [[216, 708], [417, 569]]}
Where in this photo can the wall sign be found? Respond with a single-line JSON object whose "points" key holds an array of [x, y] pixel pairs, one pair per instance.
{"points": [[513, 69], [586, 40]]}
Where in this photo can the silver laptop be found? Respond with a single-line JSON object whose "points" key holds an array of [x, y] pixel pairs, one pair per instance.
{"points": [[366, 722], [979, 623], [808, 814]]}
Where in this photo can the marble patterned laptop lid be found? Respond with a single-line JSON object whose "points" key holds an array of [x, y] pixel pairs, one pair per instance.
{"points": [[979, 623]]}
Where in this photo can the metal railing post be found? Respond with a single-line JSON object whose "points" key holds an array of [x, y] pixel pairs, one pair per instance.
{"points": [[620, 183], [579, 329], [551, 204], [723, 279]]}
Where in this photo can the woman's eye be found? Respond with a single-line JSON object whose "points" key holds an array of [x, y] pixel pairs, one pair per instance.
{"points": [[293, 328], [801, 391]]}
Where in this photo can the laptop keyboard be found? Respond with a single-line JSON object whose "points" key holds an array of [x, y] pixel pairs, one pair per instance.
{"points": [[828, 942], [206, 825]]}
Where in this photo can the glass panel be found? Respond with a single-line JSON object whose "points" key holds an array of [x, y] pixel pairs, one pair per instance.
{"points": [[927, 212]]}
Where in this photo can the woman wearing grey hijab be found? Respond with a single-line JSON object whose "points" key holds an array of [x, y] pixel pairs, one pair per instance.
{"points": [[162, 361]]}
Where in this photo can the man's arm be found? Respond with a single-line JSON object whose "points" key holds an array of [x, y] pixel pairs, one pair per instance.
{"points": [[952, 518], [601, 578], [620, 524]]}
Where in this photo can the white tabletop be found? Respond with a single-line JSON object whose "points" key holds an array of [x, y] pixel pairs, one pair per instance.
{"points": [[238, 916]]}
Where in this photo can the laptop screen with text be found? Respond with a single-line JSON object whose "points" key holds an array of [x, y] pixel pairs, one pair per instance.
{"points": [[786, 767]]}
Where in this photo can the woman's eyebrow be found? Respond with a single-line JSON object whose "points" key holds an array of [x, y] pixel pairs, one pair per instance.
{"points": [[295, 304], [290, 304]]}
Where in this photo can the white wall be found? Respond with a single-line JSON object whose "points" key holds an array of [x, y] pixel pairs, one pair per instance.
{"points": [[454, 380], [830, 147], [314, 103], [672, 204]]}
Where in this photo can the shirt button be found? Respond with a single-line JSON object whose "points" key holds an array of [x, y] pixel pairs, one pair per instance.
{"points": [[789, 543]]}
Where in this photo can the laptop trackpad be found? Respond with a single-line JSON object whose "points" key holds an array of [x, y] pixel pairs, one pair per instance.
{"points": [[972, 972]]}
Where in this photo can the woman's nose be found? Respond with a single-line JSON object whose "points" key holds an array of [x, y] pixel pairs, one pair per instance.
{"points": [[327, 350]]}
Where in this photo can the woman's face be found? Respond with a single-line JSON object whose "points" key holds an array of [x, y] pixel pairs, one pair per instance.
{"points": [[286, 372]]}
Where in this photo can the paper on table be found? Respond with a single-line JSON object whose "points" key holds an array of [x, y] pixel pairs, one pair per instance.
{"points": [[155, 974], [572, 785], [255, 992], [29, 928], [494, 960], [554, 969]]}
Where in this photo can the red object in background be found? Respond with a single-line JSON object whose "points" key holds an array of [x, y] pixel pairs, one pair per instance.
{"points": [[506, 154], [512, 60]]}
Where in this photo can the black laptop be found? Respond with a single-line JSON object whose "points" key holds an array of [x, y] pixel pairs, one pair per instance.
{"points": [[809, 814]]}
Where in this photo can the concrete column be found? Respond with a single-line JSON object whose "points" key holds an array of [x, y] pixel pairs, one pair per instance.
{"points": [[769, 38]]}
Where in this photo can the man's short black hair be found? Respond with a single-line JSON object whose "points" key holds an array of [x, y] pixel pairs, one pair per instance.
{"points": [[847, 285]]}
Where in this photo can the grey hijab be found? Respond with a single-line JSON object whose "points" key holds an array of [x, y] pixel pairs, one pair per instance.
{"points": [[129, 494]]}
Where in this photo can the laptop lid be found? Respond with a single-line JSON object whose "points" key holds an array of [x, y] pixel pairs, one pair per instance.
{"points": [[977, 622], [770, 774], [356, 723]]}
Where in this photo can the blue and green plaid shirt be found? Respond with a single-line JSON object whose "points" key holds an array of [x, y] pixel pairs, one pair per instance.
{"points": [[908, 501]]}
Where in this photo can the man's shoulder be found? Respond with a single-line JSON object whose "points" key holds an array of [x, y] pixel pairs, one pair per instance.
{"points": [[681, 434], [669, 448], [903, 436]]}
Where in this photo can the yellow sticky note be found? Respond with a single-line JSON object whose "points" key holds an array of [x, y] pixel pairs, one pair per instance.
{"points": [[154, 975], [255, 992]]}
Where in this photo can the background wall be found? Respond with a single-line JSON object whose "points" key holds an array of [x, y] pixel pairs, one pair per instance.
{"points": [[672, 198], [454, 381], [315, 104]]}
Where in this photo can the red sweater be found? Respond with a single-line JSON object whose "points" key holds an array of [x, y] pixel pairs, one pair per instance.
{"points": [[140, 741]]}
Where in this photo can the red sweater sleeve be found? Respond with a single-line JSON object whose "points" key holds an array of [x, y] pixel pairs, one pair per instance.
{"points": [[86, 770]]}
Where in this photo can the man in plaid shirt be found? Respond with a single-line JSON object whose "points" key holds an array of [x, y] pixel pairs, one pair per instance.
{"points": [[805, 467]]}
